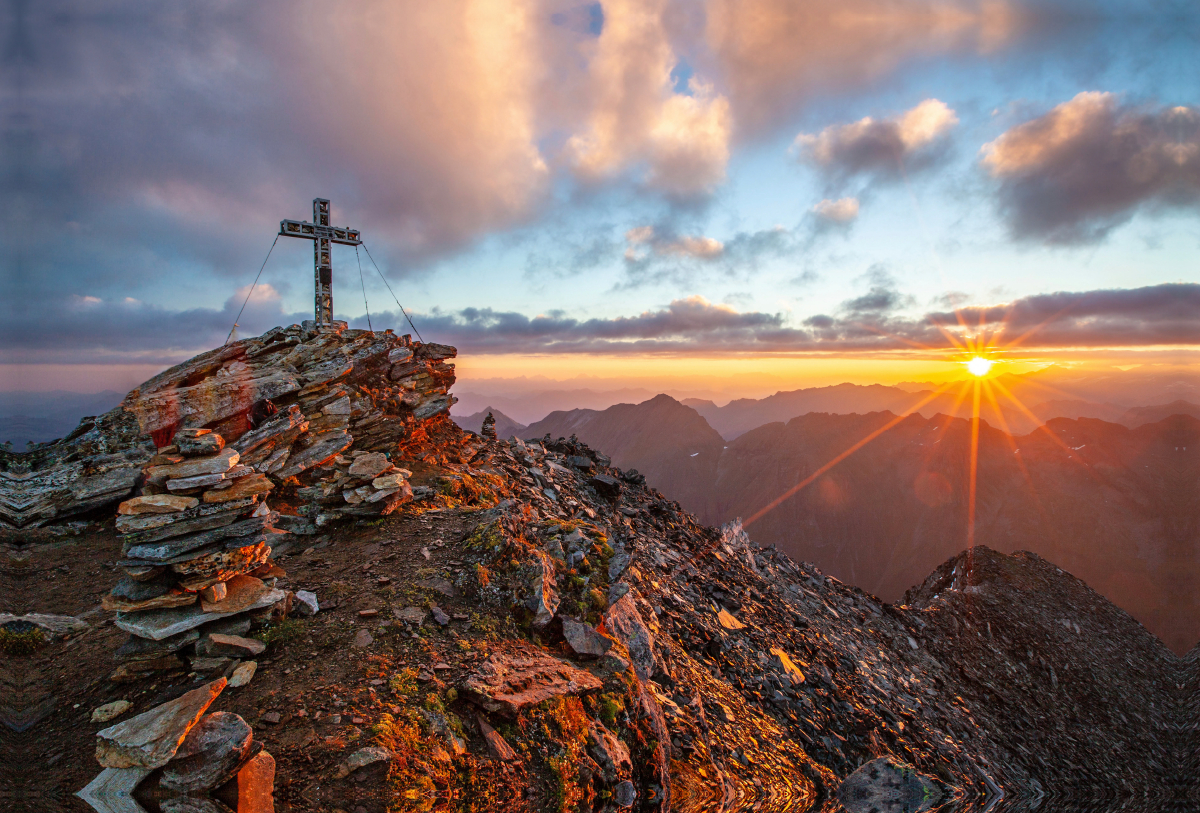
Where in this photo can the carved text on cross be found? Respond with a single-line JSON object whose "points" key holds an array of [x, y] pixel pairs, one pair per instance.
{"points": [[323, 236]]}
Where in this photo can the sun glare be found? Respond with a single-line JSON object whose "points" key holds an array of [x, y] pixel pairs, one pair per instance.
{"points": [[979, 366]]}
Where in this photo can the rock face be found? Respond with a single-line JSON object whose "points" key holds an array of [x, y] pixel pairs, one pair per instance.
{"points": [[282, 403]]}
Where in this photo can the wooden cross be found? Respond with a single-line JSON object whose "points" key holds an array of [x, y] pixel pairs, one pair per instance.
{"points": [[322, 235]]}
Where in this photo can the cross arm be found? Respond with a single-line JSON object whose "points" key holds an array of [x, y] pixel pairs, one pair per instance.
{"points": [[312, 231]]}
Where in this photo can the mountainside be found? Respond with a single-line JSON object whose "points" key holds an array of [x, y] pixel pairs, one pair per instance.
{"points": [[529, 628], [1110, 503], [506, 427], [663, 439], [585, 643]]}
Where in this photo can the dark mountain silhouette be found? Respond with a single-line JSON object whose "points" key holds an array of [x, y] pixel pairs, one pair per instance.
{"points": [[527, 407], [1114, 505], [506, 427], [661, 438]]}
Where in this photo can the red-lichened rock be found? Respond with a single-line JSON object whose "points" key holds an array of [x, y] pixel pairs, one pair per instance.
{"points": [[512, 682]]}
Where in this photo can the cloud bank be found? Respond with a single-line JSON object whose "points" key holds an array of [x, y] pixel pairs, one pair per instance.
{"points": [[1160, 315]]}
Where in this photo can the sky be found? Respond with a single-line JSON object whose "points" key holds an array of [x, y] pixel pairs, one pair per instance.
{"points": [[766, 193]]}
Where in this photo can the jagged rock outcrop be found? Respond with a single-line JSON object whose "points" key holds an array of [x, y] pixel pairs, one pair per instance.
{"points": [[286, 401]]}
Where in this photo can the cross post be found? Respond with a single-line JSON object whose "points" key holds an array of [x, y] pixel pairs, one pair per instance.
{"points": [[323, 236]]}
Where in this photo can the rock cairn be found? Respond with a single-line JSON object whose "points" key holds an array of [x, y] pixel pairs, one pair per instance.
{"points": [[363, 484], [488, 430], [183, 758], [196, 546], [287, 402]]}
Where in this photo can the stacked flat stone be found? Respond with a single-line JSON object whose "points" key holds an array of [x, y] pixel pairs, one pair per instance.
{"points": [[362, 484], [195, 545], [186, 756]]}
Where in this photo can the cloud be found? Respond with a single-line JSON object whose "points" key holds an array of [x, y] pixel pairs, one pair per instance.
{"points": [[657, 254], [841, 211], [645, 239], [884, 148], [1167, 314], [636, 117], [121, 333], [1087, 166], [775, 55]]}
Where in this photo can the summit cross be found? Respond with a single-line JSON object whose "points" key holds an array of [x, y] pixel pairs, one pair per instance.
{"points": [[323, 236]]}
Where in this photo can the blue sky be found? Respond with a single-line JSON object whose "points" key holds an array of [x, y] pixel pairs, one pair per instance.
{"points": [[784, 172]]}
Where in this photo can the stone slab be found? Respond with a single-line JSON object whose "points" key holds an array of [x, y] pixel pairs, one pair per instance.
{"points": [[151, 739], [511, 682], [156, 504]]}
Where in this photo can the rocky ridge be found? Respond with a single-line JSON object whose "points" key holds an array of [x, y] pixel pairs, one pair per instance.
{"points": [[531, 628]]}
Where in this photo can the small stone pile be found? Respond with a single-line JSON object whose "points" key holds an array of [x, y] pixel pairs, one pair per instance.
{"points": [[197, 545], [183, 758], [362, 484]]}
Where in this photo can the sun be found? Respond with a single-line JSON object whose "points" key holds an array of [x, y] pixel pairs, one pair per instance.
{"points": [[979, 366]]}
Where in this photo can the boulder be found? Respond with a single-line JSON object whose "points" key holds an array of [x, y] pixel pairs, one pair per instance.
{"points": [[306, 603], [209, 755], [511, 682], [243, 674], [110, 711], [220, 565], [606, 486], [623, 622], [370, 465], [610, 753], [584, 639], [209, 443], [175, 598], [242, 487], [256, 785], [151, 739], [242, 594], [498, 747], [158, 625]]}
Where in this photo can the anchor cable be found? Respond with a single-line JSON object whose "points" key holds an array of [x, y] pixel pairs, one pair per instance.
{"points": [[364, 287], [393, 293], [252, 287]]}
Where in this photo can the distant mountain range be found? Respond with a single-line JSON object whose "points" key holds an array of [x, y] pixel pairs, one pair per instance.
{"points": [[43, 416], [1117, 506]]}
